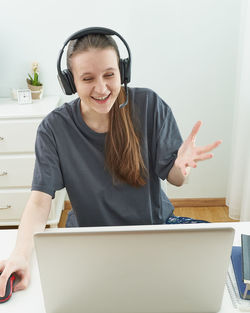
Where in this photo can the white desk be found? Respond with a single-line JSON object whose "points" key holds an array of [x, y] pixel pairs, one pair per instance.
{"points": [[31, 299]]}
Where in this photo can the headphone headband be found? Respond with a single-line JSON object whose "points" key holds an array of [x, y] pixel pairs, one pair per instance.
{"points": [[65, 77]]}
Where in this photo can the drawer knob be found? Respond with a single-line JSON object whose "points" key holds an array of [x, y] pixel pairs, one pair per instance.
{"points": [[5, 207], [1, 138], [3, 173]]}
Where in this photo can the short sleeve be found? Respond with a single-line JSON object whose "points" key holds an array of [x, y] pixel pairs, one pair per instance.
{"points": [[167, 145], [47, 175]]}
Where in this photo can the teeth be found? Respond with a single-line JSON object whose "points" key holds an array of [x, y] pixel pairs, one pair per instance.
{"points": [[103, 98]]}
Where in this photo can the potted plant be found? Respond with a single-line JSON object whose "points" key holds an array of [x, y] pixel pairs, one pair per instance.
{"points": [[34, 83]]}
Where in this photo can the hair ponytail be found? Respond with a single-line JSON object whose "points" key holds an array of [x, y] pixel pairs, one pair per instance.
{"points": [[123, 155]]}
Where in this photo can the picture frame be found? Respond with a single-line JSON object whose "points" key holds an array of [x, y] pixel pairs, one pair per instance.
{"points": [[24, 96]]}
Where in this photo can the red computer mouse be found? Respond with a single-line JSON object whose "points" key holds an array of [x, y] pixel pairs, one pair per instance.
{"points": [[9, 288]]}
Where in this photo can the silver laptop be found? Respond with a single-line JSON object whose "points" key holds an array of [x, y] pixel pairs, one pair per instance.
{"points": [[134, 269]]}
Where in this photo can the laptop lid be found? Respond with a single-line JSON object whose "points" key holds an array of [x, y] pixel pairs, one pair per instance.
{"points": [[134, 269]]}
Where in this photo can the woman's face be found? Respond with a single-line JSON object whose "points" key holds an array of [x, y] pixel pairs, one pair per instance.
{"points": [[97, 79]]}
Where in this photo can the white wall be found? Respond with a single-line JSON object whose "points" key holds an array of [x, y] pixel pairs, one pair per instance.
{"points": [[186, 50]]}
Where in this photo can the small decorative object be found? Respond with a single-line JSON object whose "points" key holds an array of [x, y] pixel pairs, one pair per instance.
{"points": [[24, 96], [34, 84]]}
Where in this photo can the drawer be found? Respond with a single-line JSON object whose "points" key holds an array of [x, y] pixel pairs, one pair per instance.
{"points": [[16, 170], [18, 135], [12, 204]]}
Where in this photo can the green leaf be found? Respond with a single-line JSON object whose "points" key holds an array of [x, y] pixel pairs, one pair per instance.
{"points": [[35, 81], [31, 79]]}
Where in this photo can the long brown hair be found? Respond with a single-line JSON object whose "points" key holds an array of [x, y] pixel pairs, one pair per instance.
{"points": [[122, 146]]}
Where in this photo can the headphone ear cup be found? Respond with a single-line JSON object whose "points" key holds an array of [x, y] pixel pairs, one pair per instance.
{"points": [[121, 67], [125, 70], [63, 80], [66, 81], [70, 81]]}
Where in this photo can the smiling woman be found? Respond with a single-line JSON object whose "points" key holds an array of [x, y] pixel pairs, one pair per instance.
{"points": [[110, 148]]}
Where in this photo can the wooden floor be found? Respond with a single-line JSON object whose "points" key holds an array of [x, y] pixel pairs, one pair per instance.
{"points": [[213, 214], [216, 214]]}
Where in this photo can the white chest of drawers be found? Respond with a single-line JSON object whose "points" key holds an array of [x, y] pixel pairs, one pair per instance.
{"points": [[18, 126]]}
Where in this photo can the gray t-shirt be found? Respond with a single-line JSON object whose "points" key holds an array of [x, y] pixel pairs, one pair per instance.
{"points": [[70, 154]]}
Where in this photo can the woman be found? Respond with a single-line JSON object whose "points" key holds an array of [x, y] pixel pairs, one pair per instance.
{"points": [[109, 159]]}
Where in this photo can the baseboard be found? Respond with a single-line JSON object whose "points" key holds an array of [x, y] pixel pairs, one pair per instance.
{"points": [[185, 202], [198, 202]]}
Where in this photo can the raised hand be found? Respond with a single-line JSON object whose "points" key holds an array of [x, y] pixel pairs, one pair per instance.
{"points": [[189, 154]]}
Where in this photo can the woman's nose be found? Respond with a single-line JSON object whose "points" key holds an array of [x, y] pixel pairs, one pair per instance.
{"points": [[100, 87]]}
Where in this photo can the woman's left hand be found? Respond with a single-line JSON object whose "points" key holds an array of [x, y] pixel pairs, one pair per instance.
{"points": [[188, 154]]}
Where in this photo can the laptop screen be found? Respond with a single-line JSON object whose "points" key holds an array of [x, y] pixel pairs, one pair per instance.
{"points": [[134, 269]]}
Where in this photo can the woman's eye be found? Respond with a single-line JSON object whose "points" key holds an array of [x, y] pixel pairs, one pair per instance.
{"points": [[109, 75], [88, 79]]}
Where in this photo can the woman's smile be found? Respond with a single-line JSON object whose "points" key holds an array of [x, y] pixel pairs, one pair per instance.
{"points": [[101, 100]]}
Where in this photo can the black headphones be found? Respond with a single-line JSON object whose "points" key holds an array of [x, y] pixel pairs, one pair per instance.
{"points": [[65, 77]]}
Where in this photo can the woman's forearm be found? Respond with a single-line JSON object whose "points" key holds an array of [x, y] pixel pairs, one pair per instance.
{"points": [[33, 220]]}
